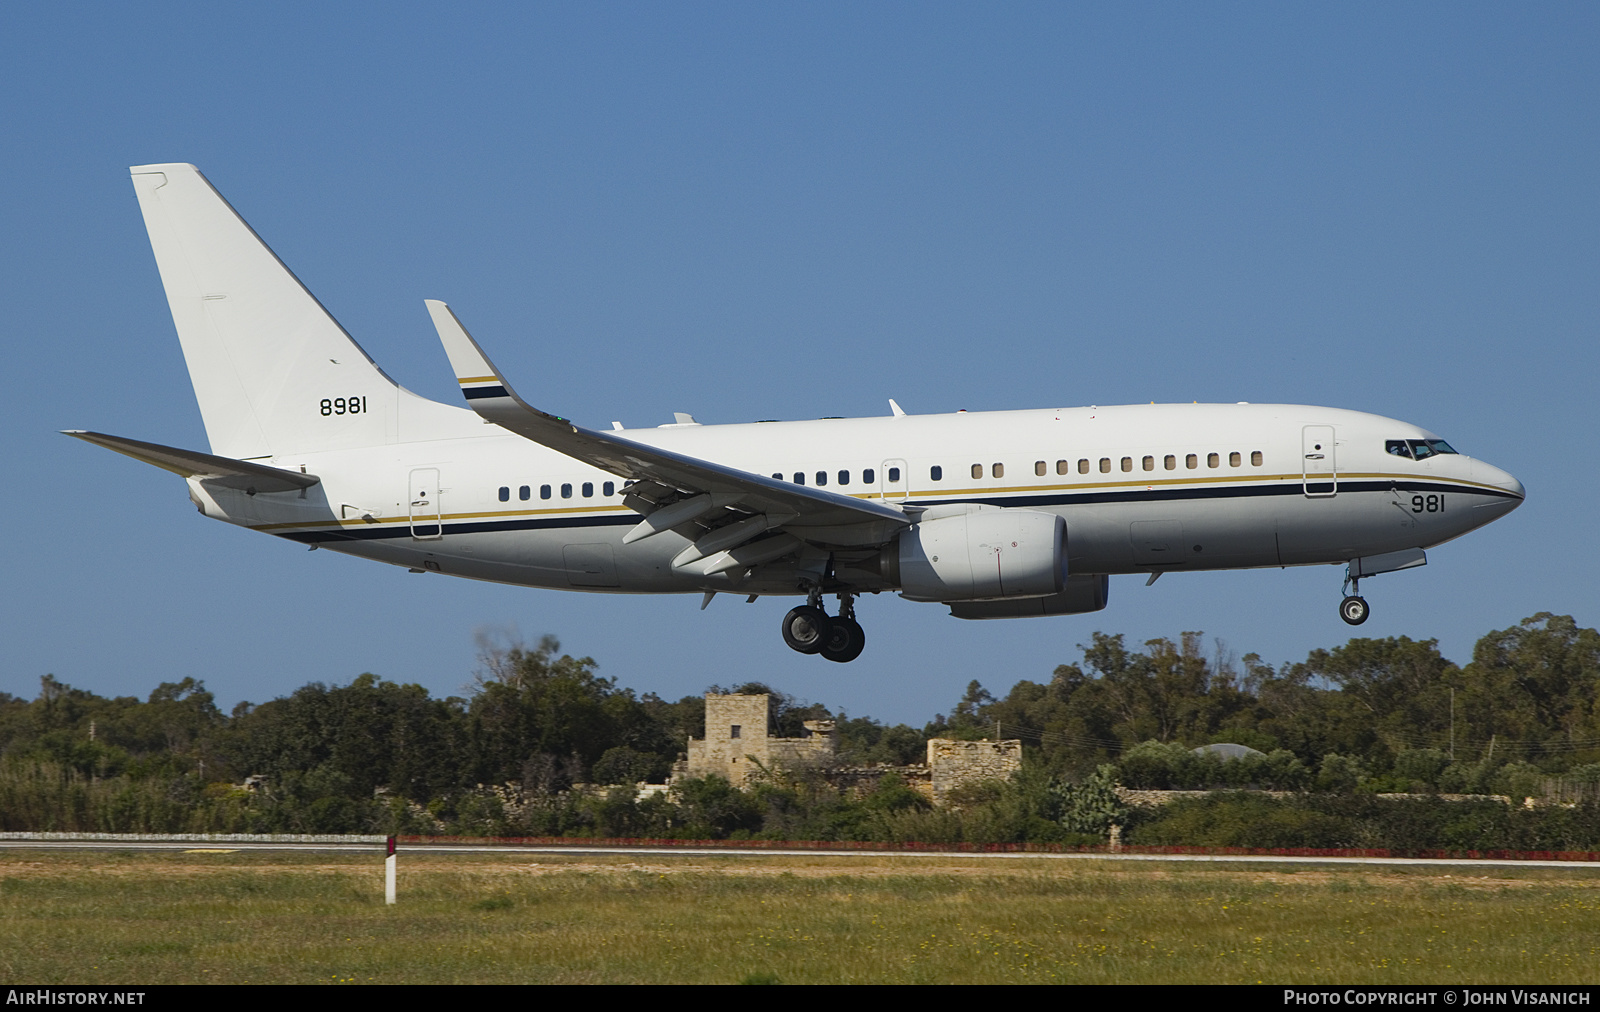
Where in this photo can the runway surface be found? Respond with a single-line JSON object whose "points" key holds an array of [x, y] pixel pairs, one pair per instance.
{"points": [[376, 846]]}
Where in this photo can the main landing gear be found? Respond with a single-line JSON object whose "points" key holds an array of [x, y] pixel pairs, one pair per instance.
{"points": [[1353, 609], [809, 630]]}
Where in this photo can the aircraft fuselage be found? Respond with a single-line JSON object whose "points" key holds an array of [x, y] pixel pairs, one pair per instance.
{"points": [[1143, 489]]}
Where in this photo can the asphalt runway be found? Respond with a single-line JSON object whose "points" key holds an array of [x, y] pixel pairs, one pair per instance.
{"points": [[218, 846]]}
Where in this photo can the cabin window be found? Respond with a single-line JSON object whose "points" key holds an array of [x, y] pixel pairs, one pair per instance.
{"points": [[544, 491], [1234, 460], [524, 493], [609, 488], [868, 475], [977, 470], [777, 476], [1039, 467], [1191, 462], [1149, 463], [844, 477], [998, 470], [505, 493], [799, 478], [822, 478], [894, 474], [1169, 462], [1255, 458], [1083, 465], [1127, 463], [1105, 465], [566, 490], [1212, 460], [1063, 467], [588, 490], [935, 473]]}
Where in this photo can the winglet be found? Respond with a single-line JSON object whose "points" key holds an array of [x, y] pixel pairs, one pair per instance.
{"points": [[484, 387], [899, 412], [476, 374]]}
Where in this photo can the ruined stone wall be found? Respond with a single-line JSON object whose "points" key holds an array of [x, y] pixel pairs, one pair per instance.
{"points": [[859, 781], [736, 745], [1155, 799], [953, 764], [801, 753]]}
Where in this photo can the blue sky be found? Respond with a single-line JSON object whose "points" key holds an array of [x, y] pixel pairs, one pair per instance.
{"points": [[786, 211]]}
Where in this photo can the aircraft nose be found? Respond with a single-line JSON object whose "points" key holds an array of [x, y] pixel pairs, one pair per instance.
{"points": [[1491, 475]]}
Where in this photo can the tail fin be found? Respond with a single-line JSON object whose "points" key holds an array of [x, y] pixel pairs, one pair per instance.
{"points": [[274, 372]]}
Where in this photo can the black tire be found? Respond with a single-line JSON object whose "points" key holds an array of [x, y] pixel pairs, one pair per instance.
{"points": [[807, 629], [846, 640], [1354, 610]]}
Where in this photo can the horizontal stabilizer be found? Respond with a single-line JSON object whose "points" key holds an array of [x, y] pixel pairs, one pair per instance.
{"points": [[241, 474]]}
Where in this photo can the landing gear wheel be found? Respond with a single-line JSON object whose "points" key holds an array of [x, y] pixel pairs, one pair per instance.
{"points": [[1354, 610], [846, 640], [806, 629]]}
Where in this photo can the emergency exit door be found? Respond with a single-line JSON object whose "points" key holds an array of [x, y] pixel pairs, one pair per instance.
{"points": [[1320, 471], [427, 522]]}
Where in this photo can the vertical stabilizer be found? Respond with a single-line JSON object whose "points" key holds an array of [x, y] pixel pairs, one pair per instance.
{"points": [[274, 372]]}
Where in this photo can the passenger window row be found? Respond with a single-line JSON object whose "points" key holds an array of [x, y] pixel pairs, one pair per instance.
{"points": [[1169, 462], [869, 476], [525, 492]]}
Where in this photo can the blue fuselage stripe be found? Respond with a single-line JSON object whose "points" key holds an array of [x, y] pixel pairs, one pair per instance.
{"points": [[1053, 499]]}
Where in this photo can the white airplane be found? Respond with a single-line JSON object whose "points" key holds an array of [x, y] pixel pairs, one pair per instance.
{"points": [[999, 514]]}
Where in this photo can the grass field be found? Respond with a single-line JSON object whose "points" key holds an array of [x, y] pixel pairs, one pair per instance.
{"points": [[88, 918]]}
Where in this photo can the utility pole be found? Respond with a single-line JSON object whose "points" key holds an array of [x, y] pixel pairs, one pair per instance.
{"points": [[1452, 725]]}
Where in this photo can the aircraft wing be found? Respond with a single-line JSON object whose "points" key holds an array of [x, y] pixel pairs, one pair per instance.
{"points": [[689, 482], [241, 474]]}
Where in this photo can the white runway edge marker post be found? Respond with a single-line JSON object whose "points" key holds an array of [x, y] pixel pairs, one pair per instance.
{"points": [[388, 875]]}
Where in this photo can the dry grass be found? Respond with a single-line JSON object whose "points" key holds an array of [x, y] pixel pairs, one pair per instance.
{"points": [[304, 918]]}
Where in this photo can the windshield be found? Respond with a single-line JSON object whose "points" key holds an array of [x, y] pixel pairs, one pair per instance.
{"points": [[1417, 449]]}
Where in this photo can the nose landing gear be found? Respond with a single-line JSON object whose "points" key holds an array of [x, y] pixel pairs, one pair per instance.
{"points": [[809, 630], [1353, 609]]}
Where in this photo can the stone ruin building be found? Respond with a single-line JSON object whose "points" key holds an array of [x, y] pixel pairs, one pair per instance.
{"points": [[738, 747]]}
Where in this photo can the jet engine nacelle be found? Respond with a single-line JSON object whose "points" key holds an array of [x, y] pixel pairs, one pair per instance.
{"points": [[1082, 594], [984, 555]]}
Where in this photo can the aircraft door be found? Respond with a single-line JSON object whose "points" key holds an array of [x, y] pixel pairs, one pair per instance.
{"points": [[591, 565], [1320, 470], [894, 481], [427, 524]]}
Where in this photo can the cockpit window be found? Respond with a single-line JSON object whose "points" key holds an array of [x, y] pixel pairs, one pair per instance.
{"points": [[1421, 448], [1417, 449]]}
